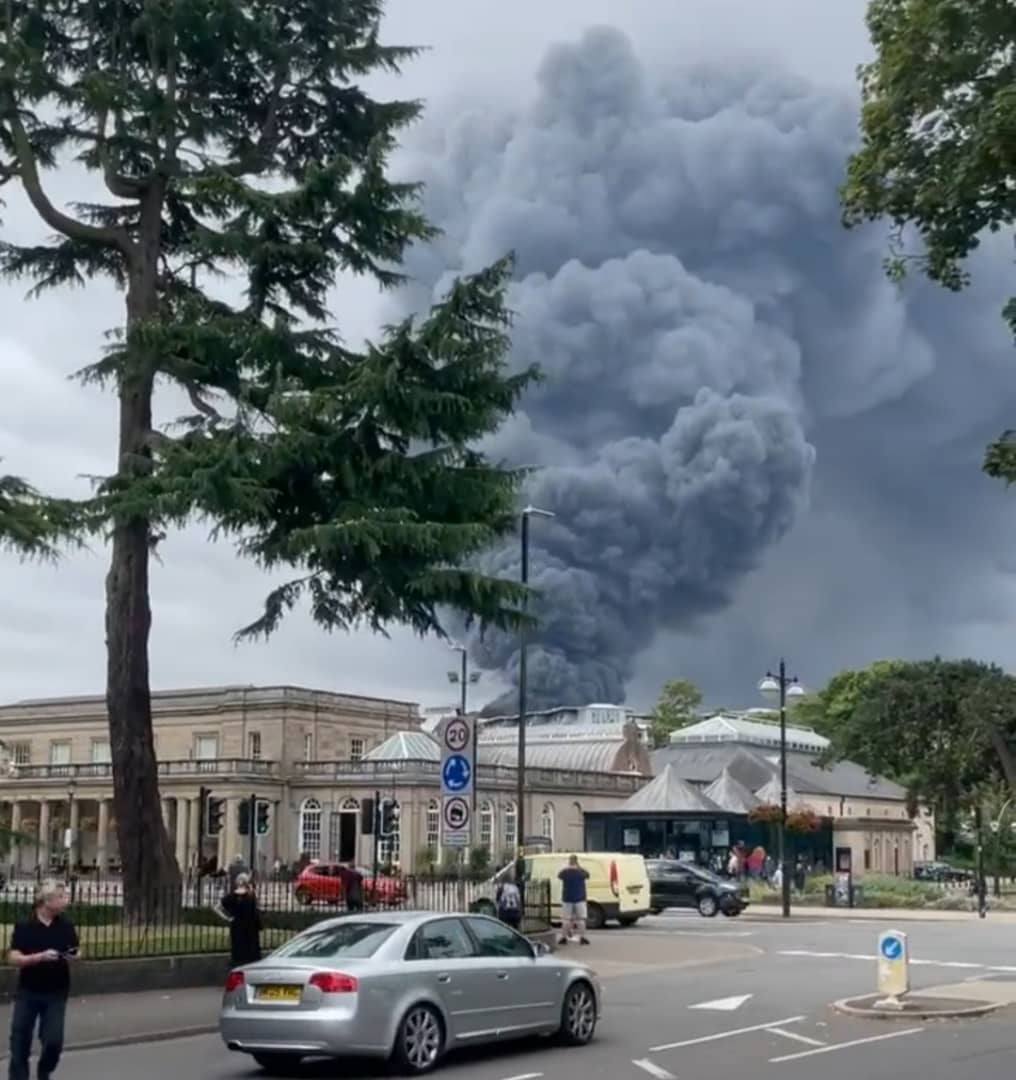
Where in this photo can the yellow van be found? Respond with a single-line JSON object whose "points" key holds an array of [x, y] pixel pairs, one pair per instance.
{"points": [[617, 889]]}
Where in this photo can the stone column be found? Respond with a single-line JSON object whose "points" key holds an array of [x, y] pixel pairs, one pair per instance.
{"points": [[15, 828], [229, 838], [102, 838], [43, 848], [182, 833], [73, 823], [167, 812]]}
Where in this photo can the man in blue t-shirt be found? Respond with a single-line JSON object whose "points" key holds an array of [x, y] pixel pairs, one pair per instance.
{"points": [[573, 902]]}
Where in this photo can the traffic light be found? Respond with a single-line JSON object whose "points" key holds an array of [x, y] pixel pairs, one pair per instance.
{"points": [[216, 810], [243, 825], [264, 817], [389, 817]]}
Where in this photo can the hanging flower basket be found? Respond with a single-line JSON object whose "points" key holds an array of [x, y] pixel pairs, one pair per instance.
{"points": [[766, 814], [803, 820]]}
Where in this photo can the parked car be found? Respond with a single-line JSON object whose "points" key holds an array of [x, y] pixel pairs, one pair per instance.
{"points": [[679, 884], [409, 986], [617, 888], [321, 883], [941, 872]]}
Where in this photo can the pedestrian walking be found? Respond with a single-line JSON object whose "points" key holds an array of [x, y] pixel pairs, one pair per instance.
{"points": [[508, 901], [800, 874], [41, 948], [352, 886], [573, 902], [240, 909]]}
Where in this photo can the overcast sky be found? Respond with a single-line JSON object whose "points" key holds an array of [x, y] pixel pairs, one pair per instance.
{"points": [[836, 584]]}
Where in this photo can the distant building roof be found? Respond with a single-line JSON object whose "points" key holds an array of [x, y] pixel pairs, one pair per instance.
{"points": [[405, 746], [730, 794], [771, 793], [751, 730], [668, 794]]}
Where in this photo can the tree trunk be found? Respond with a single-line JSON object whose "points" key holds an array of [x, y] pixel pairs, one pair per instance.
{"points": [[151, 877]]}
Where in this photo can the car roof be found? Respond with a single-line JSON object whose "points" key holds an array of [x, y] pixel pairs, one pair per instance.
{"points": [[398, 918]]}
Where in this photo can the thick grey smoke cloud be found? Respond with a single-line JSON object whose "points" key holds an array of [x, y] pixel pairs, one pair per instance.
{"points": [[704, 325]]}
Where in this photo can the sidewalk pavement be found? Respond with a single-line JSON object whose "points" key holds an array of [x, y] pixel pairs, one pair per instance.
{"points": [[809, 912], [122, 1019]]}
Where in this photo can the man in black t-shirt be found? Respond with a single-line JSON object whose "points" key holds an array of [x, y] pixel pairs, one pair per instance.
{"points": [[41, 948]]}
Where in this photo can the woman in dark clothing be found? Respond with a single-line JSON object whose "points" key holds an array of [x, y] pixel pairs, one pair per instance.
{"points": [[240, 908]]}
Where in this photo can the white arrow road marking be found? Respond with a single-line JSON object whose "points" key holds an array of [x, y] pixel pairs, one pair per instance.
{"points": [[797, 1038], [730, 1004], [525, 1076], [652, 1068]]}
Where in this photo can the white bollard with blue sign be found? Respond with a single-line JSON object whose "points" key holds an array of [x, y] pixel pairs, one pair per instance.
{"points": [[893, 968]]}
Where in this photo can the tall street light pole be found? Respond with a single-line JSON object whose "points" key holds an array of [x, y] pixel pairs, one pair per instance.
{"points": [[787, 691], [520, 795]]}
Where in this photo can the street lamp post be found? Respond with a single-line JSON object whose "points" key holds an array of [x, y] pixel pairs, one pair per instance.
{"points": [[71, 839], [787, 691], [520, 795]]}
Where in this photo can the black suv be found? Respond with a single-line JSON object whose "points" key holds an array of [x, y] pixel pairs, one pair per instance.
{"points": [[680, 884]]}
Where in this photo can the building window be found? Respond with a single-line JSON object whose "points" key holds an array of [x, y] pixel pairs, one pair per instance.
{"points": [[356, 749], [432, 840], [878, 854], [206, 747], [487, 827], [509, 826], [308, 746], [59, 753], [100, 752], [547, 823], [254, 745], [390, 847], [310, 829], [21, 753]]}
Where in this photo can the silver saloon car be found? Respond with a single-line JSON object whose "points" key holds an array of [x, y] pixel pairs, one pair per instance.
{"points": [[409, 986]]}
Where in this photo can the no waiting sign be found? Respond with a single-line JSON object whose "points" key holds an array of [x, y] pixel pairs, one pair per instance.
{"points": [[455, 815]]}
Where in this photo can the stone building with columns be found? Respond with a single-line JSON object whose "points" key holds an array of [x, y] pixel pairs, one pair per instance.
{"points": [[315, 756]]}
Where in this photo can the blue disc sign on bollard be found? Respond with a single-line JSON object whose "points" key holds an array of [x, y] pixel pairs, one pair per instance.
{"points": [[892, 948]]}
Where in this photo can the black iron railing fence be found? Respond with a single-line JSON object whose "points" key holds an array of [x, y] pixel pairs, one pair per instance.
{"points": [[187, 922]]}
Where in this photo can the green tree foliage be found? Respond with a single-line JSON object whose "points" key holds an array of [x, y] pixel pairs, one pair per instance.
{"points": [[675, 709], [943, 728], [834, 705], [937, 151], [31, 525], [244, 168]]}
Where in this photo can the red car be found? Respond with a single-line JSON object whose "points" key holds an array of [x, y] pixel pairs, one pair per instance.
{"points": [[321, 883]]}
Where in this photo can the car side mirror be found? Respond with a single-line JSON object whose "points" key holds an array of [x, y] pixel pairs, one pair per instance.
{"points": [[540, 948]]}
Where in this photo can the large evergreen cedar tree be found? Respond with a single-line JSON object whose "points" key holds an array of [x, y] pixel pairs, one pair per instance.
{"points": [[31, 525], [243, 169], [945, 729], [938, 146]]}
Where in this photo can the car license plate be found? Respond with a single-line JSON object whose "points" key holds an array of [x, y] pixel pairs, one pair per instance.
{"points": [[289, 994]]}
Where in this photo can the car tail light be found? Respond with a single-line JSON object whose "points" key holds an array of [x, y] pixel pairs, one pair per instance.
{"points": [[234, 980], [613, 877], [331, 982]]}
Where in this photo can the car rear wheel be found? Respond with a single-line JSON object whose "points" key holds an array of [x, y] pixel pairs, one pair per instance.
{"points": [[303, 897], [578, 1015], [708, 907], [419, 1041], [595, 917], [278, 1064]]}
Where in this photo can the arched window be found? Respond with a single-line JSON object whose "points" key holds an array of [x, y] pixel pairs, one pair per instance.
{"points": [[487, 826], [310, 829], [510, 827], [432, 841], [390, 847], [547, 823], [350, 805]]}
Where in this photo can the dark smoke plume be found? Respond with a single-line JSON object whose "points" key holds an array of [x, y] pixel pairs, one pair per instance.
{"points": [[703, 322]]}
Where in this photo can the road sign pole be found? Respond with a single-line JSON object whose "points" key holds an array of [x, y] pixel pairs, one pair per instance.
{"points": [[376, 838]]}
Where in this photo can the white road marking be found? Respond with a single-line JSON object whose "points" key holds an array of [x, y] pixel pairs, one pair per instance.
{"points": [[652, 1068], [846, 1045], [724, 1034], [525, 1076], [915, 962], [797, 1038], [730, 1004]]}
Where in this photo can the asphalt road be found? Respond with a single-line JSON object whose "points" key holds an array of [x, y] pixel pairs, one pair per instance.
{"points": [[652, 1030]]}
